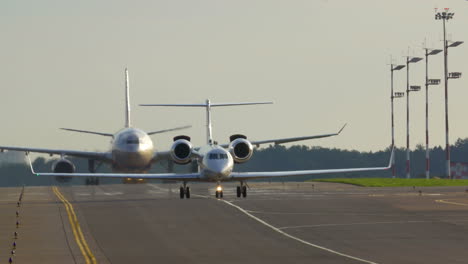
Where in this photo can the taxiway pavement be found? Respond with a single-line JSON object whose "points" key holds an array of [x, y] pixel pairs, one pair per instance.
{"points": [[276, 223]]}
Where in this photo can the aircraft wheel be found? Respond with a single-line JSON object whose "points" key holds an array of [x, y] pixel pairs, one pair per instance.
{"points": [[221, 194], [217, 194], [187, 193], [181, 190], [244, 191], [238, 189]]}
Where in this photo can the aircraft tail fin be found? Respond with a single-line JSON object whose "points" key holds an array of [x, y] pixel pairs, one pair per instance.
{"points": [[207, 105], [127, 100]]}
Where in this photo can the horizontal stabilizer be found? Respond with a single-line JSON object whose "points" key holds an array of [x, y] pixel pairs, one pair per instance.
{"points": [[88, 132], [205, 105], [208, 105]]}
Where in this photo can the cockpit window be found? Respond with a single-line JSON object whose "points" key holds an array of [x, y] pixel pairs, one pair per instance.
{"points": [[133, 141], [217, 156]]}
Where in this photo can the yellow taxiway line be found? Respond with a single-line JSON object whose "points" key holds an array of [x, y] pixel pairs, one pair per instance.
{"points": [[75, 226]]}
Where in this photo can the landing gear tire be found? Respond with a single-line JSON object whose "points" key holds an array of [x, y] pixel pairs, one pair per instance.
{"points": [[217, 194], [92, 181], [244, 191], [238, 189], [221, 194], [181, 192], [187, 193]]}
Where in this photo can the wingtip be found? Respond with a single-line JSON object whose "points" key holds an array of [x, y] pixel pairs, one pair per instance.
{"points": [[342, 128], [391, 157]]}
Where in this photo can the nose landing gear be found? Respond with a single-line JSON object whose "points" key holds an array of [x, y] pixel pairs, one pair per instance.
{"points": [[219, 192], [184, 191]]}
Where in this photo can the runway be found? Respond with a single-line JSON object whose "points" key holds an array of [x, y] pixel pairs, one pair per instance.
{"points": [[276, 223]]}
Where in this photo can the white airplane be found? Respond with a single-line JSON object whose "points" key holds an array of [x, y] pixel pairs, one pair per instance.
{"points": [[132, 149], [216, 162]]}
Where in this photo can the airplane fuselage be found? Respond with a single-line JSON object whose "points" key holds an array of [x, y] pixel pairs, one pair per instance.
{"points": [[132, 151], [215, 163]]}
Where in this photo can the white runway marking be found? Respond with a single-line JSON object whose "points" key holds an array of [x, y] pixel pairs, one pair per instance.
{"points": [[279, 213], [352, 224], [296, 238], [112, 193], [447, 202], [82, 194]]}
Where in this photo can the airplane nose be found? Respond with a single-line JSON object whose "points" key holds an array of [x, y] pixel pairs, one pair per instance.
{"points": [[219, 169]]}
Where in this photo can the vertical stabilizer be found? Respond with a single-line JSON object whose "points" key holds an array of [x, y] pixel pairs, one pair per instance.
{"points": [[127, 100], [209, 130]]}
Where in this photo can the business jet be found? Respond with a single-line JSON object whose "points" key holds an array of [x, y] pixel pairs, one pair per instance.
{"points": [[216, 162], [131, 151]]}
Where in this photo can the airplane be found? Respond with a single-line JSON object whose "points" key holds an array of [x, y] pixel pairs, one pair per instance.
{"points": [[132, 149], [216, 162]]}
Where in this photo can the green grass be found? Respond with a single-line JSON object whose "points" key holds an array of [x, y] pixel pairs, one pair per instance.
{"points": [[389, 182]]}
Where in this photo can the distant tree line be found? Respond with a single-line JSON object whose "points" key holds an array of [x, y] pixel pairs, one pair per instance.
{"points": [[273, 158]]}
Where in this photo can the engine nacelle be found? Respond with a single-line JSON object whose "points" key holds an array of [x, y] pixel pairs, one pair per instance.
{"points": [[181, 151], [63, 166], [241, 149]]}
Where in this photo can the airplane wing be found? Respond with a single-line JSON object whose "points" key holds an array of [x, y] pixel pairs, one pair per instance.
{"points": [[168, 130], [88, 132], [158, 176], [272, 174], [104, 156], [287, 140], [161, 155]]}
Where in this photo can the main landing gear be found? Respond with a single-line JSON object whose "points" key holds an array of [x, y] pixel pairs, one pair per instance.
{"points": [[241, 190], [184, 191]]}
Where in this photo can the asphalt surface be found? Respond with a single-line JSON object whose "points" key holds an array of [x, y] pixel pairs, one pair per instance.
{"points": [[276, 223]]}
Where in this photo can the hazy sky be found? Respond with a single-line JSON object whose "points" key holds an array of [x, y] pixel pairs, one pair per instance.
{"points": [[323, 63]]}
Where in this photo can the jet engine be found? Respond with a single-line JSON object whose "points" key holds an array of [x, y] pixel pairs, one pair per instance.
{"points": [[63, 166], [240, 148], [181, 150]]}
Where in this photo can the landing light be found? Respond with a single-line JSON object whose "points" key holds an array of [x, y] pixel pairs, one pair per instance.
{"points": [[219, 188]]}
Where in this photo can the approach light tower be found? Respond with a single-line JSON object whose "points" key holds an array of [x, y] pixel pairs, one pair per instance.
{"points": [[392, 97], [429, 82], [412, 88], [445, 16]]}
